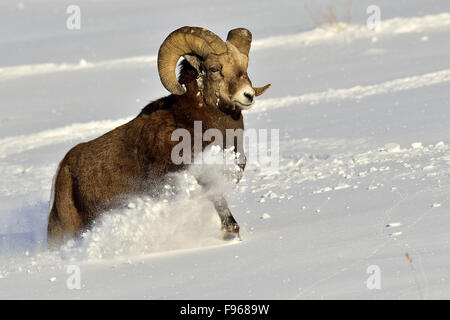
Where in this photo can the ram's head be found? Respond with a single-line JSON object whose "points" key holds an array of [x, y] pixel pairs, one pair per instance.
{"points": [[221, 65]]}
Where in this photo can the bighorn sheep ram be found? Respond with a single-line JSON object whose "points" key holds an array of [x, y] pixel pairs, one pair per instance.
{"points": [[135, 158]]}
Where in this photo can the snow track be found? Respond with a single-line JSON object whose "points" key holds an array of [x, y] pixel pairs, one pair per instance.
{"points": [[15, 72], [77, 131], [81, 131], [389, 28], [357, 92]]}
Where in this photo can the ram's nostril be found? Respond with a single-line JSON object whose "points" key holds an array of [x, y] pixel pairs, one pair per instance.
{"points": [[249, 96]]}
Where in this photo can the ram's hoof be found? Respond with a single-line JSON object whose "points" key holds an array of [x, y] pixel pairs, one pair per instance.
{"points": [[230, 232]]}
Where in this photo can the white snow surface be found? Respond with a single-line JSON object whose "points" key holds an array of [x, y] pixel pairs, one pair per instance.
{"points": [[364, 172]]}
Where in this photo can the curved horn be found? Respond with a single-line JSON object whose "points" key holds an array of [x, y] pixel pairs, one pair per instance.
{"points": [[259, 91], [241, 38], [182, 41]]}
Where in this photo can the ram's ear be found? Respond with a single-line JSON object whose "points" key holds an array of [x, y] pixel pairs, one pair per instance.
{"points": [[194, 61]]}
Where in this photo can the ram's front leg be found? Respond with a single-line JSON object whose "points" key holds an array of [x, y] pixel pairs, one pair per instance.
{"points": [[230, 228]]}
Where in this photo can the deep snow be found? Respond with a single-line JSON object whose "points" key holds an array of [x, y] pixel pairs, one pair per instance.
{"points": [[363, 119]]}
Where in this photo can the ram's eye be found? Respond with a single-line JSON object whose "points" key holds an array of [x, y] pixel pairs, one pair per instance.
{"points": [[213, 69]]}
